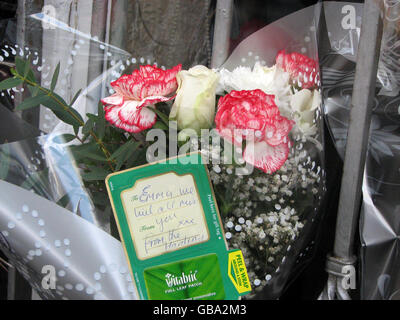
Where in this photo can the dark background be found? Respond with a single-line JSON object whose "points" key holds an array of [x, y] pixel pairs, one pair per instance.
{"points": [[249, 16], [7, 11]]}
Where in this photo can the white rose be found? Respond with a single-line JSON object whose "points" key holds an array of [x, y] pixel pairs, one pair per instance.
{"points": [[304, 103], [194, 106]]}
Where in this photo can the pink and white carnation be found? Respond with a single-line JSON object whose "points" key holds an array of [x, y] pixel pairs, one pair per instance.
{"points": [[253, 116], [303, 70], [129, 108]]}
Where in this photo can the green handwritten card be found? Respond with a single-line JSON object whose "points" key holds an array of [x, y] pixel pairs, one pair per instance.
{"points": [[170, 226]]}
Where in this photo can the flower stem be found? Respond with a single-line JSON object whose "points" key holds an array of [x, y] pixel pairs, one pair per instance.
{"points": [[81, 123]]}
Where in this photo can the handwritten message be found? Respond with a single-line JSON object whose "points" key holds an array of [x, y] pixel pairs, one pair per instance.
{"points": [[164, 214]]}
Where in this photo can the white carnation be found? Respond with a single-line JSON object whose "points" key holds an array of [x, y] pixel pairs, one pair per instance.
{"points": [[271, 80]]}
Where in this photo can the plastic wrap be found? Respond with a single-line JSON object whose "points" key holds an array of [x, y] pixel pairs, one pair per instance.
{"points": [[294, 35], [379, 277], [52, 216]]}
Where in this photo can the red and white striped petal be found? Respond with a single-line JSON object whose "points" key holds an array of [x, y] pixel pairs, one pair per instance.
{"points": [[115, 100], [147, 118], [108, 107], [234, 136], [265, 157], [127, 86], [112, 116], [147, 81], [158, 88], [141, 117], [128, 112], [301, 68], [129, 128], [153, 100], [277, 133]]}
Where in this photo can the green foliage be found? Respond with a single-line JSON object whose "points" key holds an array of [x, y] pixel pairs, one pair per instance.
{"points": [[124, 152], [75, 97], [9, 83], [101, 122], [64, 200], [62, 111], [64, 138], [160, 125], [55, 77], [4, 161], [102, 148], [20, 65], [31, 102], [88, 151], [95, 173], [162, 116]]}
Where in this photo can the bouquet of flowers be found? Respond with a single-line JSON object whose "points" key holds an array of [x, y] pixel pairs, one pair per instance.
{"points": [[258, 128], [261, 169]]}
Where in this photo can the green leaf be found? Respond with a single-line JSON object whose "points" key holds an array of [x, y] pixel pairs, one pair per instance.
{"points": [[92, 116], [27, 67], [63, 202], [75, 97], [95, 156], [135, 159], [31, 102], [122, 149], [60, 108], [86, 147], [88, 151], [76, 130], [160, 125], [55, 77], [101, 122], [4, 161], [161, 115], [88, 126], [34, 90], [100, 110], [9, 83], [96, 173], [131, 153], [64, 138], [31, 76], [128, 154], [124, 152], [115, 134], [20, 65], [79, 151]]}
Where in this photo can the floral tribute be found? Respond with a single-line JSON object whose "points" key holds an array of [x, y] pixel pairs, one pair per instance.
{"points": [[266, 117], [268, 114]]}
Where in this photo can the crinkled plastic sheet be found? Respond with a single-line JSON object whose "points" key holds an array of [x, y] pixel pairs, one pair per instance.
{"points": [[39, 176], [36, 231], [379, 221], [297, 32]]}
